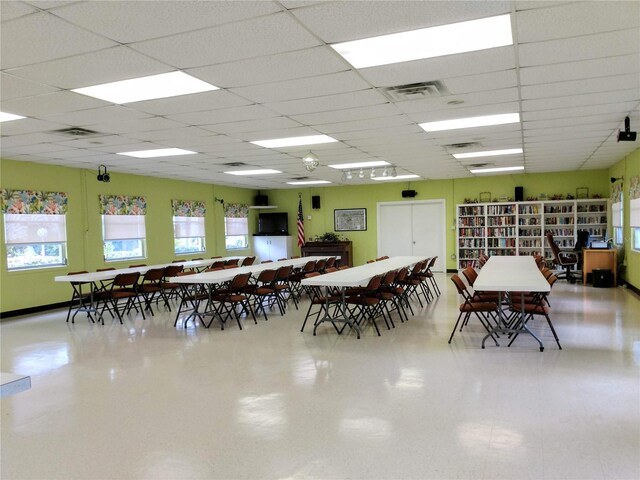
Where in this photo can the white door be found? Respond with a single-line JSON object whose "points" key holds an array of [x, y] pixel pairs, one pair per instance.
{"points": [[413, 228]]}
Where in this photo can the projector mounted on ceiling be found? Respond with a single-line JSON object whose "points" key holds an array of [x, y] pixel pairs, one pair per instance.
{"points": [[627, 135]]}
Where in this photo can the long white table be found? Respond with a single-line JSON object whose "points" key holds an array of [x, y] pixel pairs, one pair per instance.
{"points": [[355, 277], [511, 274], [91, 278]]}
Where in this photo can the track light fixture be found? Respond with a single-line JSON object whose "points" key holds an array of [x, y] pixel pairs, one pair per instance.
{"points": [[627, 135], [310, 162], [361, 173], [349, 174], [385, 172], [103, 176], [394, 174], [615, 179], [373, 173]]}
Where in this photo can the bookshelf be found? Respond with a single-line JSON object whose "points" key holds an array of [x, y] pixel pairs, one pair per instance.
{"points": [[519, 228]]}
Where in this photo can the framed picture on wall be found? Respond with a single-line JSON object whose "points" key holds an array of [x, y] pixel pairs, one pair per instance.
{"points": [[350, 219]]}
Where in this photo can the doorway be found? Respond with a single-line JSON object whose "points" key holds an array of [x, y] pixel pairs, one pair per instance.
{"points": [[413, 228]]}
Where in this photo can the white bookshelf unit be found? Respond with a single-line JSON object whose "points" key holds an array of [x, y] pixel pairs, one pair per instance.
{"points": [[519, 228]]}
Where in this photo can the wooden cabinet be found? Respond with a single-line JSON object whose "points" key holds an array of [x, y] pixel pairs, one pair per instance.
{"points": [[330, 249], [272, 247]]}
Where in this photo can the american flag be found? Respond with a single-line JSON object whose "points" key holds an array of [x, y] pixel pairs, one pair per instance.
{"points": [[300, 224]]}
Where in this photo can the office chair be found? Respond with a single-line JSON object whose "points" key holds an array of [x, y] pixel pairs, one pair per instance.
{"points": [[565, 260]]}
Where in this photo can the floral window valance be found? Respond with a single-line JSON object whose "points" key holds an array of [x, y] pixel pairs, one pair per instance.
{"points": [[122, 205], [236, 210], [634, 187], [616, 192], [188, 208], [33, 202]]}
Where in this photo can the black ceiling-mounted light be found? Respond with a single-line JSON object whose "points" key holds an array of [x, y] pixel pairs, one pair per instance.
{"points": [[220, 200], [627, 135], [615, 179], [103, 176]]}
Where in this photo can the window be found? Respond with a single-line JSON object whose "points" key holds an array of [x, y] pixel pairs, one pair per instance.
{"points": [[236, 233], [124, 237], [35, 230], [188, 234], [236, 226], [634, 217], [35, 241], [617, 222], [123, 229]]}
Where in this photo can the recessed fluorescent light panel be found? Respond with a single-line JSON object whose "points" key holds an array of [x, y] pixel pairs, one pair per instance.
{"points": [[397, 177], [429, 42], [7, 117], [496, 170], [147, 88], [470, 122], [488, 153], [309, 182], [294, 141], [263, 171], [375, 163], [158, 152]]}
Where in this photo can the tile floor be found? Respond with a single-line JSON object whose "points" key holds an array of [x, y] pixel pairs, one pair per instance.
{"points": [[147, 400]]}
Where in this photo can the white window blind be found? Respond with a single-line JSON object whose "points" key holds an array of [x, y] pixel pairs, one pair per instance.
{"points": [[236, 226], [635, 212], [38, 228], [616, 214], [188, 227], [123, 227]]}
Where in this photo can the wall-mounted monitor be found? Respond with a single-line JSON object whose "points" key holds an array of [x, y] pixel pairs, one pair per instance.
{"points": [[273, 223]]}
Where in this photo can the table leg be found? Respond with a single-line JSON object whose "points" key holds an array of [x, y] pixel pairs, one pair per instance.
{"points": [[343, 318], [518, 327], [81, 308]]}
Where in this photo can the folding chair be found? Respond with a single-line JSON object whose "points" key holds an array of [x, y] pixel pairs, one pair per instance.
{"points": [[230, 298], [124, 287], [482, 310]]}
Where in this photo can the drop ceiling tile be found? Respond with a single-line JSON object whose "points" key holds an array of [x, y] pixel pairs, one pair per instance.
{"points": [[197, 102], [439, 106], [36, 148], [91, 141], [584, 120], [325, 103], [29, 125], [450, 66], [482, 82], [209, 119], [136, 125], [465, 111], [576, 19], [28, 40], [572, 112], [303, 88], [267, 124], [586, 86], [267, 133], [343, 21], [184, 133], [268, 35], [621, 42], [599, 67], [616, 96], [11, 10], [12, 87], [348, 114], [273, 68], [93, 116], [50, 103], [126, 21], [93, 68]]}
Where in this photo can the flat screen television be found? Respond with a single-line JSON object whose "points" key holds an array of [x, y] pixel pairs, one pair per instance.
{"points": [[273, 223]]}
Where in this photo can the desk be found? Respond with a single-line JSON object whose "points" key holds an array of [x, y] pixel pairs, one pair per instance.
{"points": [[511, 274], [593, 258], [355, 277]]}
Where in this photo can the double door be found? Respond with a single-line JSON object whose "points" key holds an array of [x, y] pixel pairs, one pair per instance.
{"points": [[414, 229]]}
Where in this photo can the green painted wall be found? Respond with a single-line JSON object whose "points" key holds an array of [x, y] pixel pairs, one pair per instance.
{"points": [[628, 168], [84, 227], [27, 289]]}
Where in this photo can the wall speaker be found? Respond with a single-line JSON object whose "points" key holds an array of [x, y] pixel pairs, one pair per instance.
{"points": [[315, 202], [409, 193], [519, 194], [261, 200]]}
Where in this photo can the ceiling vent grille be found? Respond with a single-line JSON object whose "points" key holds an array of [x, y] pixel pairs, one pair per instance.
{"points": [[300, 178], [460, 147], [234, 164], [416, 91], [76, 132]]}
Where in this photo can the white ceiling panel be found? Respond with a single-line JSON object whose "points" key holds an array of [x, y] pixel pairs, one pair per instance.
{"points": [[127, 21], [35, 34], [269, 35], [574, 75]]}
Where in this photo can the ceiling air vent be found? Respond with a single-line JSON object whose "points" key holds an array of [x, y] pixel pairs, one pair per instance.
{"points": [[299, 178], [461, 147], [234, 164], [416, 91], [76, 132]]}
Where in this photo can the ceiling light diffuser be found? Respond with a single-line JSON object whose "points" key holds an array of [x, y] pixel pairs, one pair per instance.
{"points": [[309, 182], [158, 152], [262, 171], [147, 88], [496, 169], [488, 153], [461, 37], [7, 117], [294, 141], [374, 163], [398, 177], [470, 122]]}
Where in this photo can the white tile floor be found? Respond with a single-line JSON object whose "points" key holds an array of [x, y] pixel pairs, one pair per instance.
{"points": [[146, 400]]}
